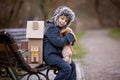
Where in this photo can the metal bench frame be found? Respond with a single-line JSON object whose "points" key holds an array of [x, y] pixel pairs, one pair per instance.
{"points": [[12, 62]]}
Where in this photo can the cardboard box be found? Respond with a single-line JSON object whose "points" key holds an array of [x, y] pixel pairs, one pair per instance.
{"points": [[24, 45], [34, 33], [35, 49]]}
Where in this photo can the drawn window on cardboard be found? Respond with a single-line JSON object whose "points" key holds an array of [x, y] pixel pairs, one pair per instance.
{"points": [[35, 26]]}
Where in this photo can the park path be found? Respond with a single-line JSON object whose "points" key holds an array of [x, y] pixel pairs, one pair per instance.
{"points": [[102, 61]]}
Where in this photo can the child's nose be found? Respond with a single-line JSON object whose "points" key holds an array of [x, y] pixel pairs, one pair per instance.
{"points": [[64, 21]]}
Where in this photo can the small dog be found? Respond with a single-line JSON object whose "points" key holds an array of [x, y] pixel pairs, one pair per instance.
{"points": [[68, 50]]}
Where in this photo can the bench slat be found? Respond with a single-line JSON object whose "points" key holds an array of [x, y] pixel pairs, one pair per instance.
{"points": [[18, 34]]}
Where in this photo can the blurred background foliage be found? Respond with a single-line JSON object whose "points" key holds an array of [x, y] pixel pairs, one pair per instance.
{"points": [[90, 14], [115, 33]]}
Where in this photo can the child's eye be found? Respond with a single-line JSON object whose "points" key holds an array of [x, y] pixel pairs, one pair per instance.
{"points": [[62, 18], [66, 20]]}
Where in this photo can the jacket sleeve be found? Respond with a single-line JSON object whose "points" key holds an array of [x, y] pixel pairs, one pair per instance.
{"points": [[53, 36]]}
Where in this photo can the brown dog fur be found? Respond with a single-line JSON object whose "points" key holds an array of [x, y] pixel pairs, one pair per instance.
{"points": [[68, 50]]}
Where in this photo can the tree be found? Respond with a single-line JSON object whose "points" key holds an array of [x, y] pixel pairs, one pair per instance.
{"points": [[45, 6], [9, 10], [108, 13]]}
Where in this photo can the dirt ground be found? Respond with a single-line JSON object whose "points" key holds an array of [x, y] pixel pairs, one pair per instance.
{"points": [[102, 61]]}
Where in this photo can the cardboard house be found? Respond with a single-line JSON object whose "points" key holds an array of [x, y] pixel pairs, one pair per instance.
{"points": [[34, 33]]}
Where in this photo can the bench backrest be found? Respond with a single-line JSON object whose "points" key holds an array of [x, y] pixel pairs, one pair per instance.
{"points": [[18, 34], [9, 52]]}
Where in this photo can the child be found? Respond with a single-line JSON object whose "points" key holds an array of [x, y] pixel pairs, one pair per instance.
{"points": [[53, 44]]}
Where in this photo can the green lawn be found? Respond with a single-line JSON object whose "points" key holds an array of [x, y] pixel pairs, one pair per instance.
{"points": [[115, 33], [80, 51]]}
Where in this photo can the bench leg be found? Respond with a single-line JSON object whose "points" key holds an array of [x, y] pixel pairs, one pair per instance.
{"points": [[10, 74], [54, 72], [13, 74], [6, 72]]}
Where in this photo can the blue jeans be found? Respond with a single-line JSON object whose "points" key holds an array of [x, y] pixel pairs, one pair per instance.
{"points": [[66, 71]]}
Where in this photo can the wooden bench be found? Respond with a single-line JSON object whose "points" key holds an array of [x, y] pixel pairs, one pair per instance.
{"points": [[12, 63]]}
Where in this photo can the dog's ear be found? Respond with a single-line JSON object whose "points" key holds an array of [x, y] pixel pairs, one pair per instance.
{"points": [[67, 30], [63, 31]]}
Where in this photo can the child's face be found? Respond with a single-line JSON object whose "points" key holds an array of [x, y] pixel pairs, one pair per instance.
{"points": [[62, 21]]}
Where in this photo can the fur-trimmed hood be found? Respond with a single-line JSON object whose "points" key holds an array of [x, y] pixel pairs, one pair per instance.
{"points": [[66, 11]]}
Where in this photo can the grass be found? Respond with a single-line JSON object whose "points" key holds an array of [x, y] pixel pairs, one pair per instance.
{"points": [[80, 51], [115, 33]]}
